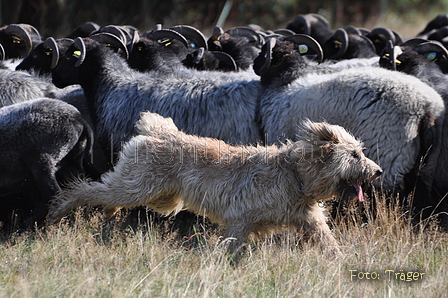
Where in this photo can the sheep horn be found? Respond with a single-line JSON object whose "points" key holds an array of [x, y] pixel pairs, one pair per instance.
{"points": [[270, 44], [135, 39], [129, 30], [303, 25], [364, 31], [375, 35], [89, 27], [32, 30], [431, 46], [20, 31], [444, 40], [341, 36], [217, 32], [379, 36], [112, 29], [63, 44], [81, 46], [194, 36], [2, 53], [438, 22], [371, 44], [398, 38], [352, 30], [310, 42], [50, 43], [108, 38], [213, 42], [166, 33], [227, 59], [411, 43], [198, 54], [317, 18], [249, 33], [84, 30], [284, 32]]}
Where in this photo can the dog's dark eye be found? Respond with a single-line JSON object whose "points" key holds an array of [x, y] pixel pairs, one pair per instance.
{"points": [[355, 154]]}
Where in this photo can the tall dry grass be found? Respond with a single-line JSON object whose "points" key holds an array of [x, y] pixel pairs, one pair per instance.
{"points": [[87, 257]]}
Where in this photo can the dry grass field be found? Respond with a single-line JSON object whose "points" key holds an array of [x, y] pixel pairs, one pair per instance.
{"points": [[88, 257]]}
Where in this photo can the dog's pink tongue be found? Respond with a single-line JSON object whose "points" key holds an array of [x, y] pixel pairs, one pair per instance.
{"points": [[359, 191]]}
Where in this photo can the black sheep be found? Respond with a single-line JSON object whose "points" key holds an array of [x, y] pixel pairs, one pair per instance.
{"points": [[43, 142]]}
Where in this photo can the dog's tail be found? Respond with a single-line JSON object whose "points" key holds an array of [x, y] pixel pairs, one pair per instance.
{"points": [[83, 192], [152, 123]]}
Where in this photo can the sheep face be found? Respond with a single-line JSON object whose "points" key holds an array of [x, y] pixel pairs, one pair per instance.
{"points": [[67, 71], [45, 56], [282, 60]]}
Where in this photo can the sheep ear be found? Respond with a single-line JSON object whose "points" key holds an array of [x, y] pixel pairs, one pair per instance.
{"points": [[81, 47]]}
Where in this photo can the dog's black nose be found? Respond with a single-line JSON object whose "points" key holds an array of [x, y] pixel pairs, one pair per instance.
{"points": [[378, 172]]}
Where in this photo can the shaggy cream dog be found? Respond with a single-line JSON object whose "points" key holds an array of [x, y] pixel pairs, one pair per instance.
{"points": [[246, 188]]}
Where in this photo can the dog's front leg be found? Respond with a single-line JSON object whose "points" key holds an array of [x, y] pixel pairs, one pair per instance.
{"points": [[236, 234], [318, 232]]}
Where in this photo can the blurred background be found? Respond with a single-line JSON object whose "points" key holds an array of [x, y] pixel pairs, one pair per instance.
{"points": [[58, 17]]}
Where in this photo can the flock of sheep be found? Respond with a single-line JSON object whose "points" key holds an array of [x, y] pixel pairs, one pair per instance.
{"points": [[69, 104]]}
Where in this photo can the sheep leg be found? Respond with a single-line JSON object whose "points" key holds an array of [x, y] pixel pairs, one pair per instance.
{"points": [[48, 186], [70, 168], [72, 165]]}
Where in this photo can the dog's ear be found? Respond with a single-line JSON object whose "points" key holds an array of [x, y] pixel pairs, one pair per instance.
{"points": [[321, 132]]}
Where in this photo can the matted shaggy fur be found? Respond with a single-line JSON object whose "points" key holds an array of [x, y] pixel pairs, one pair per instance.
{"points": [[246, 188]]}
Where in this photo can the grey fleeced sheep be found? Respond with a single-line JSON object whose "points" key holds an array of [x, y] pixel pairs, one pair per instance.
{"points": [[212, 104], [17, 86], [386, 110], [396, 115], [426, 61]]}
